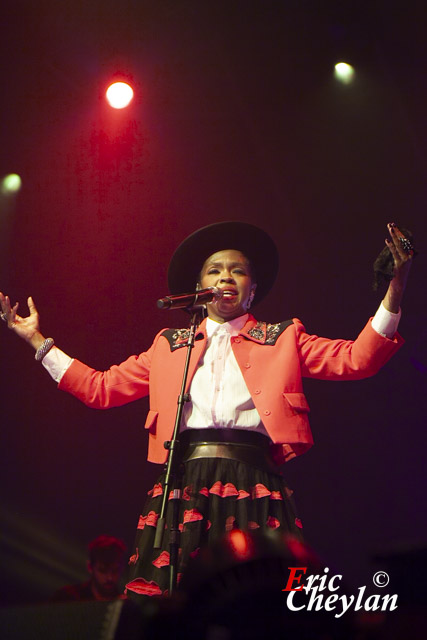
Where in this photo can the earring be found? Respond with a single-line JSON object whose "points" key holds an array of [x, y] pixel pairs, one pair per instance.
{"points": [[251, 297]]}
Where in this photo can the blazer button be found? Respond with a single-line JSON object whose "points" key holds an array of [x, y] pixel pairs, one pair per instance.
{"points": [[267, 412], [247, 365], [257, 391], [237, 340]]}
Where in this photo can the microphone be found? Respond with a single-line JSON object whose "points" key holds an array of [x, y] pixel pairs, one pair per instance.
{"points": [[188, 300]]}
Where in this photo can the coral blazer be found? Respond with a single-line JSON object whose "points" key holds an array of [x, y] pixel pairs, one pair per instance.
{"points": [[273, 359]]}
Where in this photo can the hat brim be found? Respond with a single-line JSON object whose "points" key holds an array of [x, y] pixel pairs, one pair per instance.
{"points": [[253, 242]]}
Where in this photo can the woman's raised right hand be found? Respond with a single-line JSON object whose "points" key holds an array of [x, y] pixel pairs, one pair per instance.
{"points": [[27, 328]]}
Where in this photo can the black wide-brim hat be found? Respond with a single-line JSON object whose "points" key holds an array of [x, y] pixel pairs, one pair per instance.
{"points": [[253, 242]]}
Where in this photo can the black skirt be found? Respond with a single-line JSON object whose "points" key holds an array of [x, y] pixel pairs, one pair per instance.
{"points": [[240, 489]]}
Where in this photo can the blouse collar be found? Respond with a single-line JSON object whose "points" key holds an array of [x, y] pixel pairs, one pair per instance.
{"points": [[233, 327]]}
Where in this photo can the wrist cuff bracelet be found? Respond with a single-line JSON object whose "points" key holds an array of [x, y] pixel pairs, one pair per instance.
{"points": [[44, 348]]}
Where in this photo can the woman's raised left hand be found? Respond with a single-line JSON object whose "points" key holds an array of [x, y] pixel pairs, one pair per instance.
{"points": [[403, 253]]}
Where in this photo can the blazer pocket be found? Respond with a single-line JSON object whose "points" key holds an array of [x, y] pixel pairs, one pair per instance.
{"points": [[297, 400], [151, 421]]}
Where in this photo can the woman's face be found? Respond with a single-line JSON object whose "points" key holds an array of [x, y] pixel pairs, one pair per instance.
{"points": [[230, 271]]}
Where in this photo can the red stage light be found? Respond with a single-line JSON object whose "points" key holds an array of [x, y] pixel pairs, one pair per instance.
{"points": [[240, 544], [119, 95]]}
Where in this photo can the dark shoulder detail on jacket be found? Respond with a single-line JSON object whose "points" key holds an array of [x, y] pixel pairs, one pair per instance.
{"points": [[271, 331], [178, 338]]}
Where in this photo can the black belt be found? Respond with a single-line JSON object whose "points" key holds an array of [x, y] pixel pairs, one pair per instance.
{"points": [[234, 444]]}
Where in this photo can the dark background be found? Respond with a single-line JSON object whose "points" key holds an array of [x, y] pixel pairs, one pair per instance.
{"points": [[237, 115]]}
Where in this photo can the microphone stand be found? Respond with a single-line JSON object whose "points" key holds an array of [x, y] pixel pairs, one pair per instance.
{"points": [[172, 467]]}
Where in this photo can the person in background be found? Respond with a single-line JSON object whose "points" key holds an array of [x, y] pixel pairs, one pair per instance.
{"points": [[105, 565]]}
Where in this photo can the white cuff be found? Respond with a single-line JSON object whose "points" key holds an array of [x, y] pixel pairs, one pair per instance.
{"points": [[385, 322], [56, 363]]}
